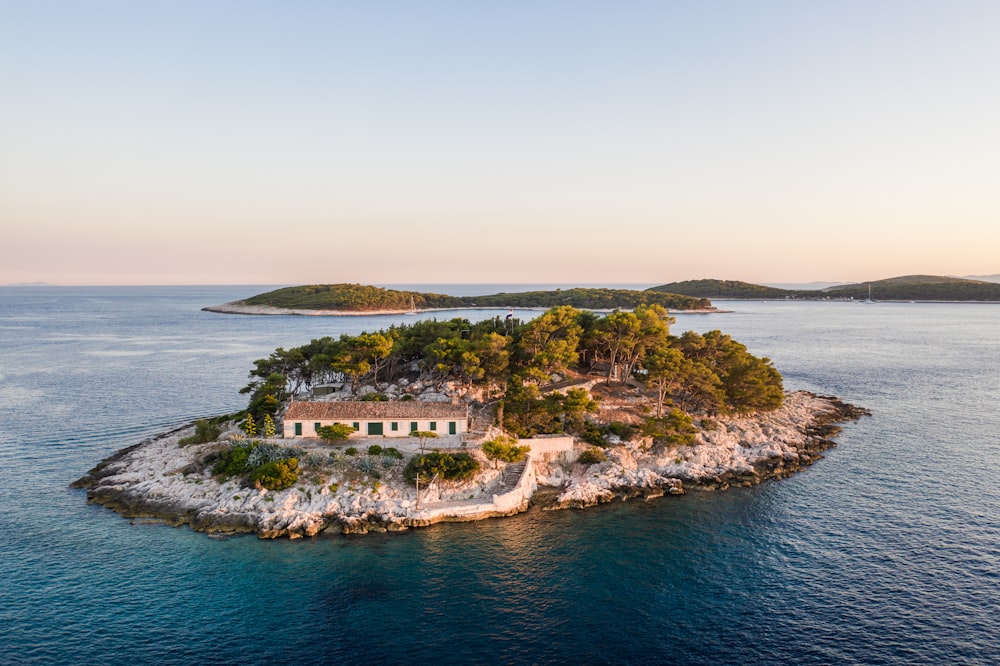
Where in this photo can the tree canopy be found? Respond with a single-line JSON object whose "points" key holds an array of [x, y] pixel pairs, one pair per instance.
{"points": [[518, 362]]}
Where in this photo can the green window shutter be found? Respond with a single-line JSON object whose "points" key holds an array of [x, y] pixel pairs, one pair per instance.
{"points": [[433, 425], [356, 425], [394, 426], [452, 429], [413, 426], [315, 427], [298, 429]]}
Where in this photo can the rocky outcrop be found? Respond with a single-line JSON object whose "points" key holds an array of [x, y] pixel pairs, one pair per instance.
{"points": [[728, 451], [160, 479]]}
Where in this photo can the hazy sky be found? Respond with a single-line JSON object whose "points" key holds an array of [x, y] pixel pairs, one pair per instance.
{"points": [[401, 142]]}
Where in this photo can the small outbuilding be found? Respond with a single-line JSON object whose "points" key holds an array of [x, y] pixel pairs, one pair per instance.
{"points": [[397, 418]]}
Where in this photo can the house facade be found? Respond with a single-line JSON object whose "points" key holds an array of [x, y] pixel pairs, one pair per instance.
{"points": [[376, 419]]}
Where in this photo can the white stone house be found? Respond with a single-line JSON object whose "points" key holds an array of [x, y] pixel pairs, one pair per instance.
{"points": [[396, 418]]}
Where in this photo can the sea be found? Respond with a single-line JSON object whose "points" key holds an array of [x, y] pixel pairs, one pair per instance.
{"points": [[886, 551]]}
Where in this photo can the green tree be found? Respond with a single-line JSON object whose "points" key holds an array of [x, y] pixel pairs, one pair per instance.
{"points": [[494, 359], [504, 448], [654, 333], [374, 349], [549, 342], [617, 335], [665, 367]]}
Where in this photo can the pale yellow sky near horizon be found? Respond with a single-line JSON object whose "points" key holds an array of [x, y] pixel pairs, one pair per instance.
{"points": [[530, 143]]}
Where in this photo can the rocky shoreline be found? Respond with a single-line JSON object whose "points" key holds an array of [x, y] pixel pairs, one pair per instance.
{"points": [[162, 480]]}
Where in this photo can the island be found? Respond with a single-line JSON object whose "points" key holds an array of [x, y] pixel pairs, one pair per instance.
{"points": [[454, 420], [927, 288], [357, 299]]}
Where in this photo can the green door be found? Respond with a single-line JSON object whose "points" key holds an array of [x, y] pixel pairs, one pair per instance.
{"points": [[451, 427], [374, 428]]}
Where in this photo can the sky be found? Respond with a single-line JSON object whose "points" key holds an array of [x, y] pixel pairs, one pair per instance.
{"points": [[241, 142]]}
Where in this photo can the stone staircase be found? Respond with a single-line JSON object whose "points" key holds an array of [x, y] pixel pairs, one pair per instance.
{"points": [[511, 475]]}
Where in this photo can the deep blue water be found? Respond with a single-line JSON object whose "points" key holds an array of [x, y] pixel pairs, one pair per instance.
{"points": [[885, 552]]}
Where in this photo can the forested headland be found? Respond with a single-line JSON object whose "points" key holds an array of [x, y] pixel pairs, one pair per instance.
{"points": [[519, 367], [904, 288], [365, 298]]}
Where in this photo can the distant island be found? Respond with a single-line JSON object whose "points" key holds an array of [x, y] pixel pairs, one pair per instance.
{"points": [[458, 420], [342, 299], [904, 288]]}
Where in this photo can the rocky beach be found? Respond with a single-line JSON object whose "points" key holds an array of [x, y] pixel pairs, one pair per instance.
{"points": [[163, 480]]}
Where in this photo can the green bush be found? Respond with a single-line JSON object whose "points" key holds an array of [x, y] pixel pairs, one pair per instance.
{"points": [[406, 397], [447, 466], [375, 397], [592, 457], [337, 432], [374, 450], [624, 431], [233, 461], [204, 431], [505, 449], [350, 451], [597, 434], [675, 428], [392, 452], [277, 475], [593, 434]]}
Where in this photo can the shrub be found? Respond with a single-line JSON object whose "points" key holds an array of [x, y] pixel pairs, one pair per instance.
{"points": [[593, 434], [448, 466], [624, 431], [350, 451], [233, 461], [267, 452], [406, 397], [392, 452], [337, 432], [597, 434], [375, 397], [204, 431], [505, 449], [366, 465], [592, 457], [374, 450], [277, 475], [315, 459], [675, 428]]}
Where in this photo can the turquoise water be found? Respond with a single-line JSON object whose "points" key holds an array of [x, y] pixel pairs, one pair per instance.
{"points": [[887, 551]]}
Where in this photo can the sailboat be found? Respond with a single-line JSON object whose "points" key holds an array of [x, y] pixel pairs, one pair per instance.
{"points": [[869, 293], [413, 306]]}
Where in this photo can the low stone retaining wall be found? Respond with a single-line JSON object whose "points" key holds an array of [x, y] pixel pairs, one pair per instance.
{"points": [[511, 502]]}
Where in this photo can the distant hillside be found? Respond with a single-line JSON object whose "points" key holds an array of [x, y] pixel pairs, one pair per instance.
{"points": [[904, 288], [352, 297], [593, 299], [722, 289], [363, 298], [920, 288]]}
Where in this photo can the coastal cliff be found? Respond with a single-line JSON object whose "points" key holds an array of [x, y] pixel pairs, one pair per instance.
{"points": [[162, 479]]}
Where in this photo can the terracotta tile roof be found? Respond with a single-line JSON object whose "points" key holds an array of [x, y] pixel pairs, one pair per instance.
{"points": [[356, 409]]}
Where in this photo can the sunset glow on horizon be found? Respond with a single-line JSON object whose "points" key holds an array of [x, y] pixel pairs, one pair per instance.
{"points": [[447, 142]]}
